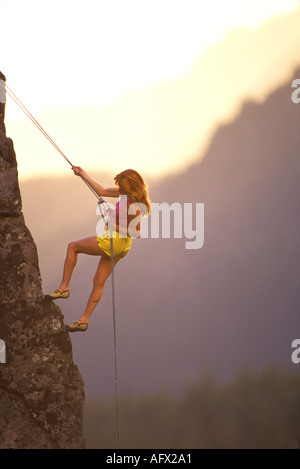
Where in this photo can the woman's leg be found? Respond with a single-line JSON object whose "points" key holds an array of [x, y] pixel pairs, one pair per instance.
{"points": [[102, 273], [84, 246]]}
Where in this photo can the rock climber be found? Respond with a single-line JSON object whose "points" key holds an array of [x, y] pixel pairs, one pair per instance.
{"points": [[123, 224]]}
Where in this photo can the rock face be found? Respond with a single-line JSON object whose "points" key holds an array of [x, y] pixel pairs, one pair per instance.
{"points": [[41, 389]]}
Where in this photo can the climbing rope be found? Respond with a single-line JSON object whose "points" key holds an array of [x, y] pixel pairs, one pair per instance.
{"points": [[102, 206], [114, 324], [36, 123]]}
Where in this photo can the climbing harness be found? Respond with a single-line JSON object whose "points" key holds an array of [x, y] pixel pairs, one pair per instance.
{"points": [[103, 206]]}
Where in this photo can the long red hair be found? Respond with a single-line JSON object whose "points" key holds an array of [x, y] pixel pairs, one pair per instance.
{"points": [[132, 184]]}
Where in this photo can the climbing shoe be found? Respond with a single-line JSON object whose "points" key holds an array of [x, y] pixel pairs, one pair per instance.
{"points": [[77, 326], [59, 294]]}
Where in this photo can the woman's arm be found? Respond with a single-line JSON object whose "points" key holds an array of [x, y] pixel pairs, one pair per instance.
{"points": [[110, 192]]}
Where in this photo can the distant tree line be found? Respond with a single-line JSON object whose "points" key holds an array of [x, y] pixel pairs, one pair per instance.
{"points": [[255, 410]]}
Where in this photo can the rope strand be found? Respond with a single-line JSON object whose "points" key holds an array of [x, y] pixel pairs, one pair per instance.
{"points": [[28, 114], [38, 125], [114, 326]]}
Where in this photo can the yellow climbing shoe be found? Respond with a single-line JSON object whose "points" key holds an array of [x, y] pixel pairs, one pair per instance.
{"points": [[59, 294], [77, 326]]}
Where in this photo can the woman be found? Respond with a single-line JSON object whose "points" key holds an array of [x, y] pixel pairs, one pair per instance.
{"points": [[125, 223]]}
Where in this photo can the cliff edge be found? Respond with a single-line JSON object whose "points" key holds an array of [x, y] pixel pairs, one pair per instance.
{"points": [[41, 389]]}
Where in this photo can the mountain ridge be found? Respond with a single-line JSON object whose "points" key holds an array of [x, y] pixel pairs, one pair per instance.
{"points": [[234, 301], [172, 121]]}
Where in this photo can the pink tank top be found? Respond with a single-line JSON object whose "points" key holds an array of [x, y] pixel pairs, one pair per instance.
{"points": [[121, 211]]}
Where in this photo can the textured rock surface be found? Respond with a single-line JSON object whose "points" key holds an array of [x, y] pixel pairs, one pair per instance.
{"points": [[41, 390]]}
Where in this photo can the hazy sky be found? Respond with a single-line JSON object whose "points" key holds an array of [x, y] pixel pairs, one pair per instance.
{"points": [[69, 55]]}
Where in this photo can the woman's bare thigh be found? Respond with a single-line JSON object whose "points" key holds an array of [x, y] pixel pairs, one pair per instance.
{"points": [[88, 246], [104, 269]]}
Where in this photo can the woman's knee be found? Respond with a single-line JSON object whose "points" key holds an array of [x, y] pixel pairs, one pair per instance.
{"points": [[97, 290], [72, 247], [98, 283]]}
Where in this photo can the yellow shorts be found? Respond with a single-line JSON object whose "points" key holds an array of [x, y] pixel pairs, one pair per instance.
{"points": [[121, 246]]}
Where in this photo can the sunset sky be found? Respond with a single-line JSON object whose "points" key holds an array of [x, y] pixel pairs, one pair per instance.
{"points": [[108, 79]]}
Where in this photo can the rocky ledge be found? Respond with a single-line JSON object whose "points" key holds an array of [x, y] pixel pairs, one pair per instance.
{"points": [[41, 389]]}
